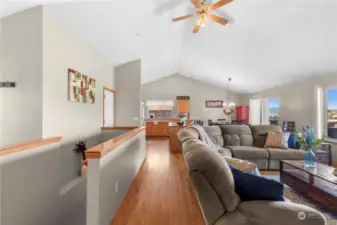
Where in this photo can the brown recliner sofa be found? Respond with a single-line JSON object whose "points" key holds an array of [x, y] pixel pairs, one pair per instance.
{"points": [[247, 142], [215, 188]]}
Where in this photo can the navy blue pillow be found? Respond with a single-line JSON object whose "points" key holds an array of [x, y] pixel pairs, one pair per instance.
{"points": [[292, 141], [251, 187]]}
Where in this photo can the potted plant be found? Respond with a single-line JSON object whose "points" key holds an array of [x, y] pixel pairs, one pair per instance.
{"points": [[81, 148], [182, 118], [308, 141]]}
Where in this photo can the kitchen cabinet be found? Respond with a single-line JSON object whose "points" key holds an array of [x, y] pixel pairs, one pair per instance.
{"points": [[156, 128], [183, 106]]}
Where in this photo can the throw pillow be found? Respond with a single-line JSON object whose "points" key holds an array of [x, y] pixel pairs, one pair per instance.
{"points": [[274, 140], [292, 141], [286, 140], [251, 187]]}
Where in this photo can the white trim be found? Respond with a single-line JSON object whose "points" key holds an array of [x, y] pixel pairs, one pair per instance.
{"points": [[93, 177], [1, 222]]}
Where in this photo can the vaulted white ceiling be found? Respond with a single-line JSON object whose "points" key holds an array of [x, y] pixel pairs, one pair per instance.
{"points": [[268, 42]]}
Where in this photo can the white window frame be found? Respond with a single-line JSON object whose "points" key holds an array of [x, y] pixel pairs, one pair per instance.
{"points": [[321, 112]]}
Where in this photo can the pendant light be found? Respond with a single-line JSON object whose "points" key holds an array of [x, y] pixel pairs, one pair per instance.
{"points": [[228, 104]]}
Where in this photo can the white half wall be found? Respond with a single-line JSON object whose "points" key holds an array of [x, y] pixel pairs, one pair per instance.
{"points": [[170, 87], [128, 85], [1, 79], [62, 50], [21, 107]]}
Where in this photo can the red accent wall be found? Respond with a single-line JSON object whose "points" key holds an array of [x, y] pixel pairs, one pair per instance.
{"points": [[242, 113]]}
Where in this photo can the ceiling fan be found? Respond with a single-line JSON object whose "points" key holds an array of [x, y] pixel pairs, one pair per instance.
{"points": [[203, 13]]}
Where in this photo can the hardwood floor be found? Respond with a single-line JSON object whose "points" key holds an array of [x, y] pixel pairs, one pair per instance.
{"points": [[161, 192]]}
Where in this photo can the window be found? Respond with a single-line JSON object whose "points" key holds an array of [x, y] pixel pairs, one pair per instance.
{"points": [[326, 111], [273, 108], [331, 111], [263, 111]]}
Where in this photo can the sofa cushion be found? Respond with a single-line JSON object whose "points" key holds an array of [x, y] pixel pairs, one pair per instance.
{"points": [[286, 154], [260, 133], [236, 135], [214, 132], [280, 213], [235, 217], [216, 171], [248, 152]]}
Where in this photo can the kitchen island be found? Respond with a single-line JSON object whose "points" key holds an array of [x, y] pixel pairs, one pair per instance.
{"points": [[159, 127]]}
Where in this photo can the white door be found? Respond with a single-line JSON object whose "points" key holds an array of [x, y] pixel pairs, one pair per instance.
{"points": [[109, 108]]}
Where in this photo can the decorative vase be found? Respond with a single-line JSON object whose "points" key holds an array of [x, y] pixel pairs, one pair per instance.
{"points": [[310, 159]]}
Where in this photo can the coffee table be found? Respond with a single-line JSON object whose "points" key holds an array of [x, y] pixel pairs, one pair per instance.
{"points": [[318, 184]]}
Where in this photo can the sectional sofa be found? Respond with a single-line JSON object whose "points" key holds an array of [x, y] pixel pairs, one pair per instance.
{"points": [[215, 188], [214, 182], [247, 142]]}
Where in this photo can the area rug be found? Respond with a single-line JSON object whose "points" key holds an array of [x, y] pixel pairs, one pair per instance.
{"points": [[296, 197]]}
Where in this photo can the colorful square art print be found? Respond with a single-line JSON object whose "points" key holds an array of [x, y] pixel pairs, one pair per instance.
{"points": [[81, 87]]}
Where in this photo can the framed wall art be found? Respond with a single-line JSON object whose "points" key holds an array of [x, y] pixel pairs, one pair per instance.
{"points": [[214, 104], [81, 87]]}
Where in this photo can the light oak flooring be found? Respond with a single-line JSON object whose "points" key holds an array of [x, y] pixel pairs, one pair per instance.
{"points": [[161, 193]]}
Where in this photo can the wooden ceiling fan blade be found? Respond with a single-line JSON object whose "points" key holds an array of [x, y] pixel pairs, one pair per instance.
{"points": [[183, 17], [196, 28], [218, 19], [196, 3], [219, 4]]}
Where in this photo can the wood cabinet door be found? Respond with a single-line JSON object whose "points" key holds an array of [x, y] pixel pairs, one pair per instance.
{"points": [[183, 106]]}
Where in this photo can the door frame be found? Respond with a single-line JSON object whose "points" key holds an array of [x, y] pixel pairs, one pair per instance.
{"points": [[114, 110]]}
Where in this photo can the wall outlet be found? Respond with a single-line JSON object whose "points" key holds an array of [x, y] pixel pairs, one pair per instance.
{"points": [[116, 187]]}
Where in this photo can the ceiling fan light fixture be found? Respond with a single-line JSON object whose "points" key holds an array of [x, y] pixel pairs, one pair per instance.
{"points": [[203, 10]]}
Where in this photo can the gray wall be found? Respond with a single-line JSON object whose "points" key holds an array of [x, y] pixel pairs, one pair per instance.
{"points": [[170, 87], [21, 107], [128, 93], [62, 49]]}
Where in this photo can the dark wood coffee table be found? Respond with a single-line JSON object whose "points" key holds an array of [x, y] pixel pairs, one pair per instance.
{"points": [[318, 183]]}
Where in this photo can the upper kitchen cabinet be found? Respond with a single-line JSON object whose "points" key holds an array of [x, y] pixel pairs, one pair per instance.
{"points": [[183, 105]]}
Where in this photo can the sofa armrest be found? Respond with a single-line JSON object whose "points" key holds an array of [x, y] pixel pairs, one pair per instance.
{"points": [[280, 213]]}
